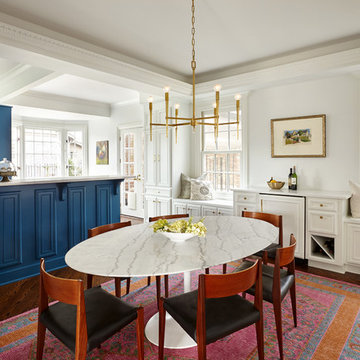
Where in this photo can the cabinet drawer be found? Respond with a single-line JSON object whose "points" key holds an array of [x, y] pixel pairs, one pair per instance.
{"points": [[157, 191], [245, 198], [239, 208], [322, 222], [322, 204]]}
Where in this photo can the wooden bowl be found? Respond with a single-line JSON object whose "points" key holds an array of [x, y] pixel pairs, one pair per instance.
{"points": [[276, 185]]}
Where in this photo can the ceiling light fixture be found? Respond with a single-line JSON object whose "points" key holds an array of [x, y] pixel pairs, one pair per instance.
{"points": [[193, 121]]}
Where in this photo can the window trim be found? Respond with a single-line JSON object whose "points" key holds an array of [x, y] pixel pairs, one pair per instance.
{"points": [[63, 127]]}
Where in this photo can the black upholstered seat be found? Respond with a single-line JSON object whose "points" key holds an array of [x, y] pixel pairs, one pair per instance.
{"points": [[105, 316], [223, 315], [216, 310], [286, 281]]}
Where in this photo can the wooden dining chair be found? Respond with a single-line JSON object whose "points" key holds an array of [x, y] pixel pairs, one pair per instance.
{"points": [[100, 230], [216, 310], [166, 277], [276, 284], [276, 220], [82, 320]]}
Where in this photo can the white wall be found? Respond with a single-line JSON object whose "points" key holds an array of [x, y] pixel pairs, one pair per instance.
{"points": [[99, 130], [338, 98], [127, 116]]}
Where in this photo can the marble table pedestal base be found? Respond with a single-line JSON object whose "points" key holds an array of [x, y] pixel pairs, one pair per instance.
{"points": [[175, 336]]}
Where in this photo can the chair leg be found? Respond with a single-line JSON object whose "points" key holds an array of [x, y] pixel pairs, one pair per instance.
{"points": [[265, 257], [278, 322], [140, 332], [166, 283], [40, 340], [260, 338], [207, 271], [161, 329], [127, 285], [224, 268], [293, 302], [80, 352], [89, 281], [149, 280], [201, 348], [118, 287], [158, 290]]}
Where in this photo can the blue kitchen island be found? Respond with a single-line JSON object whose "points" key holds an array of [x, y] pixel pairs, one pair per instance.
{"points": [[47, 217]]}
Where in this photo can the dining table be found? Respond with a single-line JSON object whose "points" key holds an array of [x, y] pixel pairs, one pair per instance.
{"points": [[137, 251]]}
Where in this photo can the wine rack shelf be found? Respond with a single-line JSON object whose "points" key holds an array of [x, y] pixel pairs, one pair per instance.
{"points": [[323, 247]]}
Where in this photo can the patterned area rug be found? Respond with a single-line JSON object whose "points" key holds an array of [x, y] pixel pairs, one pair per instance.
{"points": [[328, 327]]}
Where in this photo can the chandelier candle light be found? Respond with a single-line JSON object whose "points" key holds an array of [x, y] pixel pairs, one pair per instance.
{"points": [[193, 121]]}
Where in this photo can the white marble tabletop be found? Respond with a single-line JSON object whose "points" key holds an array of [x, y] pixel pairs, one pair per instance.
{"points": [[138, 251]]}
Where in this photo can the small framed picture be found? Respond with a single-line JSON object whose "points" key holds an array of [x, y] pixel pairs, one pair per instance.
{"points": [[303, 136], [102, 152]]}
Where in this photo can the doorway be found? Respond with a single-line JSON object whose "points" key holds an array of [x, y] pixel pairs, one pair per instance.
{"points": [[131, 147]]}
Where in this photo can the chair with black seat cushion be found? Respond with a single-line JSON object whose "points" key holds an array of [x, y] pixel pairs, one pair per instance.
{"points": [[276, 284], [216, 310], [100, 230], [276, 220], [166, 277], [82, 320]]}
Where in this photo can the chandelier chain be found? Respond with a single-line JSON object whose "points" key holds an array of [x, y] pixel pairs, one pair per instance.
{"points": [[193, 62]]}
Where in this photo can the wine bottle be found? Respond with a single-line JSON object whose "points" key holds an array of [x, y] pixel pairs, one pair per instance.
{"points": [[289, 179], [294, 180]]}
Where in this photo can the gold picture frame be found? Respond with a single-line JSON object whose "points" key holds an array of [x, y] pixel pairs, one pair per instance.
{"points": [[302, 136]]}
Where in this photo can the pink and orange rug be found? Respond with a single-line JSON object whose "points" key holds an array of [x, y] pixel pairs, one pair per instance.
{"points": [[328, 328]]}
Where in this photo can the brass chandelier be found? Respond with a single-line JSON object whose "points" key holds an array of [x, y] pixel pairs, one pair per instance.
{"points": [[193, 121]]}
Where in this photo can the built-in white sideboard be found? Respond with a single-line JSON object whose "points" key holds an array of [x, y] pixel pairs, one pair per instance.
{"points": [[216, 207], [325, 234]]}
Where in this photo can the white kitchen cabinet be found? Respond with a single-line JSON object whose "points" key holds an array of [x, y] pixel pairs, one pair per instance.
{"points": [[203, 208], [245, 201], [156, 205], [352, 231], [216, 211], [292, 210], [193, 210]]}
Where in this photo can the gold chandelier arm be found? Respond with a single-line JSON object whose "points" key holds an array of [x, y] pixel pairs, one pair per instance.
{"points": [[176, 121], [151, 123]]}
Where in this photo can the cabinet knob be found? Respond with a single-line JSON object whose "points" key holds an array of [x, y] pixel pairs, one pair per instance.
{"points": [[213, 212], [321, 217], [321, 205], [245, 208], [245, 198], [219, 212]]}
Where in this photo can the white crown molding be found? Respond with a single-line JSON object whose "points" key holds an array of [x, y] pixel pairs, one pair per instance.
{"points": [[125, 71]]}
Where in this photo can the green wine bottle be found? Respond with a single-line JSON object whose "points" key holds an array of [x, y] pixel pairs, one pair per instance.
{"points": [[294, 180]]}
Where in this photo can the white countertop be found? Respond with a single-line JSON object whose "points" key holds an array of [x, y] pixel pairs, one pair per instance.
{"points": [[138, 251], [69, 179], [300, 193]]}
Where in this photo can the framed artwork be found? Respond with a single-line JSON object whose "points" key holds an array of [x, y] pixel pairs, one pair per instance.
{"points": [[102, 152], [302, 136]]}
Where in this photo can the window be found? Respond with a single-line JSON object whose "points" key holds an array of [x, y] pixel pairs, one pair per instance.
{"points": [[221, 158], [47, 150]]}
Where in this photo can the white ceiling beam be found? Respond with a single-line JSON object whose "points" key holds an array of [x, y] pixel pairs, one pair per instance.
{"points": [[35, 99], [22, 78]]}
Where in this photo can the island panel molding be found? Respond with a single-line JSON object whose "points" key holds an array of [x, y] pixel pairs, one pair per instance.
{"points": [[36, 220]]}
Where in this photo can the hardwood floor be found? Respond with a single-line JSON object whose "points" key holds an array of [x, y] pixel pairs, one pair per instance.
{"points": [[21, 296]]}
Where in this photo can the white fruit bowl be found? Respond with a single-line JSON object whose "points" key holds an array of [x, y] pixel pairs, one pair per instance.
{"points": [[178, 237]]}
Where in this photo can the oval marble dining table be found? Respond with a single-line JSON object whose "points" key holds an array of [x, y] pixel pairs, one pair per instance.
{"points": [[138, 251]]}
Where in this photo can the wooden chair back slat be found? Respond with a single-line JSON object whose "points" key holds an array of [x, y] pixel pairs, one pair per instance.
{"points": [[224, 285], [273, 219], [108, 227], [176, 216], [64, 290], [287, 254]]}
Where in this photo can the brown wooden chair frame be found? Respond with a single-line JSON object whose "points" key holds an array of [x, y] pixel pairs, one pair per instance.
{"points": [[71, 291], [217, 286], [273, 219], [166, 277], [100, 230]]}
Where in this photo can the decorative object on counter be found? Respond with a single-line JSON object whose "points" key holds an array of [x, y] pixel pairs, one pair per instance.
{"points": [[180, 230], [276, 185], [201, 190], [294, 179], [173, 121], [355, 199], [102, 152], [186, 185], [7, 168], [302, 136]]}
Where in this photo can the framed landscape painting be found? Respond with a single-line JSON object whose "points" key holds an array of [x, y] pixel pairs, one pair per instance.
{"points": [[303, 136], [102, 152]]}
